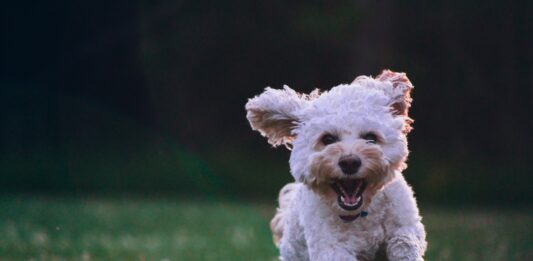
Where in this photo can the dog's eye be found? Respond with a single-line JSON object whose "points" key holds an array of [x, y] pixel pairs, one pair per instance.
{"points": [[370, 137], [329, 139]]}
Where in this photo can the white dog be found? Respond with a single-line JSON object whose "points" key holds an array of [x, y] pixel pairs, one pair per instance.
{"points": [[350, 200]]}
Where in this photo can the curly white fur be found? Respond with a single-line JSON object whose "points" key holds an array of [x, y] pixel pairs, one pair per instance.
{"points": [[308, 224]]}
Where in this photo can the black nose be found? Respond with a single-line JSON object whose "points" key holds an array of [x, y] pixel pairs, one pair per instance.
{"points": [[349, 164]]}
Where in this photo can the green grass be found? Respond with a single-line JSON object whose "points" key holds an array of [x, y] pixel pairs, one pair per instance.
{"points": [[49, 228]]}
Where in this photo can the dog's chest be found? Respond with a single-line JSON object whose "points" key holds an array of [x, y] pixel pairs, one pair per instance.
{"points": [[364, 236]]}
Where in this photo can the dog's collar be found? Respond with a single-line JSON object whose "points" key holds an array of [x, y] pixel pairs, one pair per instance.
{"points": [[349, 218]]}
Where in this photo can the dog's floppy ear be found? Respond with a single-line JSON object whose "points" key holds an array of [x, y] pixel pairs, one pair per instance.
{"points": [[400, 94], [274, 114]]}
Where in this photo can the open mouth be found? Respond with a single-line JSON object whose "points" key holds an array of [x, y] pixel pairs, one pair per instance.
{"points": [[349, 192]]}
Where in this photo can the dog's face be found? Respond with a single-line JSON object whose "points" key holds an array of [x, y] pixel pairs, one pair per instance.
{"points": [[347, 143]]}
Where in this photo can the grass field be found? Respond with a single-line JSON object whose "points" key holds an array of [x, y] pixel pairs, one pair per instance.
{"points": [[170, 229]]}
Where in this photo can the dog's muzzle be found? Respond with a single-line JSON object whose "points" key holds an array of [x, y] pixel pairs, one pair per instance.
{"points": [[349, 192]]}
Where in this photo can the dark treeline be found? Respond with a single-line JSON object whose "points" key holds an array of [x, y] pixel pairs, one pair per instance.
{"points": [[148, 96]]}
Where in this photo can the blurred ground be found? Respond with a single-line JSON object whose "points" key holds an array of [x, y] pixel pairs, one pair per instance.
{"points": [[57, 228]]}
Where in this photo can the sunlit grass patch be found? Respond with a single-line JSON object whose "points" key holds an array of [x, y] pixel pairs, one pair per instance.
{"points": [[473, 234], [132, 230], [179, 229]]}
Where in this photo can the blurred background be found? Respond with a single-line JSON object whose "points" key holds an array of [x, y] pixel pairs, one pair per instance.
{"points": [[145, 100]]}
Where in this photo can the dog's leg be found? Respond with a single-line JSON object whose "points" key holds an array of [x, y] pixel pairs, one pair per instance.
{"points": [[278, 222], [406, 237], [292, 245], [406, 244]]}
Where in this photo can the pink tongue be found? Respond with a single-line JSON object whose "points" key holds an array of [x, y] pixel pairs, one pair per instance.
{"points": [[350, 199]]}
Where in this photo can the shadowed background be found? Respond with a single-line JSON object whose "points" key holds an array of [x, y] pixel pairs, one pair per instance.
{"points": [[123, 132], [148, 96]]}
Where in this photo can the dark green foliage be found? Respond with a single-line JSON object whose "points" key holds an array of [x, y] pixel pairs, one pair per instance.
{"points": [[148, 96]]}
